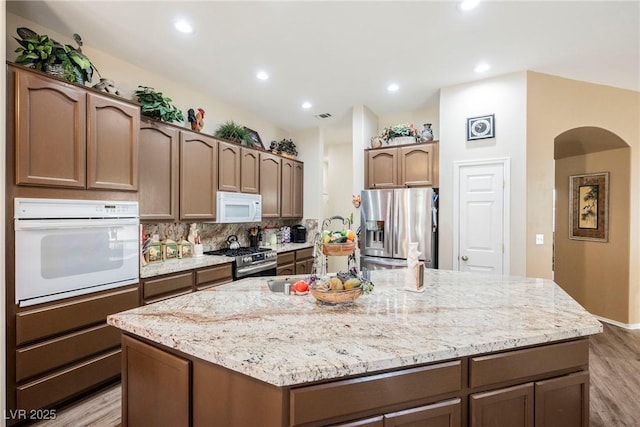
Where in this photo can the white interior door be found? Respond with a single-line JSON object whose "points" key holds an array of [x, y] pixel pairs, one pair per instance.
{"points": [[481, 211]]}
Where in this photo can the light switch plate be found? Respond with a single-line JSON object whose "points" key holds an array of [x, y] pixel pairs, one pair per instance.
{"points": [[539, 239]]}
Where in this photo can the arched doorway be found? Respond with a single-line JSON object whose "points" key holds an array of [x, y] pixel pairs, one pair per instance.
{"points": [[595, 273]]}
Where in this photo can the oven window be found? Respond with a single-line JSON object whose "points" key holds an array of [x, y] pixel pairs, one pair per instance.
{"points": [[66, 254]]}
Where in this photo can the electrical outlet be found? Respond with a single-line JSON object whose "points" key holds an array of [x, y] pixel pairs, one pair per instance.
{"points": [[539, 239]]}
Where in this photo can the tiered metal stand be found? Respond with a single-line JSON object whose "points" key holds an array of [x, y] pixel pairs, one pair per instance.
{"points": [[323, 250]]}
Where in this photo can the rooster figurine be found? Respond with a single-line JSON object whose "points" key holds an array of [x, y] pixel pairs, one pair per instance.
{"points": [[196, 119]]}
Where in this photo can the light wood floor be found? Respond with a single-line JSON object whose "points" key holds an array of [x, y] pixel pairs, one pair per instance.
{"points": [[614, 362]]}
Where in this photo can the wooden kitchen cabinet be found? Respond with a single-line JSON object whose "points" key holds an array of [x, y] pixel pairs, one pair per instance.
{"points": [[441, 414], [159, 171], [112, 143], [198, 176], [286, 264], [512, 406], [304, 261], [292, 183], [68, 136], [238, 168], [249, 170], [298, 189], [228, 166], [270, 184], [158, 386], [66, 348], [216, 275], [562, 401], [414, 165]]}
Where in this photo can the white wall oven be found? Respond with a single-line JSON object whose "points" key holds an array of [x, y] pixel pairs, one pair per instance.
{"points": [[65, 248]]}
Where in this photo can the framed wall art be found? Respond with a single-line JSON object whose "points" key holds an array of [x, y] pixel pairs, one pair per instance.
{"points": [[589, 207], [255, 138], [481, 127]]}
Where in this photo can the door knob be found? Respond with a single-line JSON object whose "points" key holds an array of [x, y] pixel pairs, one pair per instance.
{"points": [[465, 258]]}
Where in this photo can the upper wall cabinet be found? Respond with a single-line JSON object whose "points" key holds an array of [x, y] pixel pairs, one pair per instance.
{"points": [[270, 182], [238, 168], [291, 189], [158, 171], [198, 176], [414, 165], [67, 136]]}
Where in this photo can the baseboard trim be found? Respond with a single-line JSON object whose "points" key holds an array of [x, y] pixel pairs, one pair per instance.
{"points": [[616, 323]]}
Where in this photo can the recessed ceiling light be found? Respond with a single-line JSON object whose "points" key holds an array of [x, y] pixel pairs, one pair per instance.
{"points": [[468, 4], [183, 26], [262, 75], [393, 87], [481, 68], [306, 105]]}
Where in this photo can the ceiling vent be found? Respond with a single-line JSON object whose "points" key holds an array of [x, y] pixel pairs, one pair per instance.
{"points": [[323, 116]]}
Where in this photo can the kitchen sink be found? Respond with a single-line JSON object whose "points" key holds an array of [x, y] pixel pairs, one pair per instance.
{"points": [[279, 285]]}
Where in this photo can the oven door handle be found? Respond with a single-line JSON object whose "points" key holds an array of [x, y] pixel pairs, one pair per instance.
{"points": [[253, 269], [55, 224]]}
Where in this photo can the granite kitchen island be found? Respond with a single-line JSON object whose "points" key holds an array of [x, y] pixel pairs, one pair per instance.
{"points": [[471, 348]]}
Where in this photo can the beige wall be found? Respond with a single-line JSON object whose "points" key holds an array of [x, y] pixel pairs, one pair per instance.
{"points": [[596, 274], [505, 97], [185, 94], [555, 105], [339, 182]]}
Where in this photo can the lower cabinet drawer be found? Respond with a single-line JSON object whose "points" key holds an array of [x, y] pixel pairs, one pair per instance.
{"points": [[286, 258], [46, 356], [304, 254], [528, 363], [167, 285], [56, 319], [353, 396], [212, 276], [47, 391]]}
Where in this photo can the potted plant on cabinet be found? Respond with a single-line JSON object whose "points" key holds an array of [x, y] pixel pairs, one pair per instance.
{"points": [[154, 104], [45, 54], [284, 147], [399, 134], [233, 132]]}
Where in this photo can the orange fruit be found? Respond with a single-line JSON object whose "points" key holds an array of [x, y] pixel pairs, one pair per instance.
{"points": [[351, 235]]}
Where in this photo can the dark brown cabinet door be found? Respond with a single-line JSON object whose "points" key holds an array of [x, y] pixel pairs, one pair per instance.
{"points": [[285, 270], [158, 171], [228, 167], [442, 414], [563, 401], [155, 386], [286, 198], [382, 168], [298, 189], [270, 174], [198, 176], [249, 171], [512, 406], [417, 165], [112, 144], [50, 133]]}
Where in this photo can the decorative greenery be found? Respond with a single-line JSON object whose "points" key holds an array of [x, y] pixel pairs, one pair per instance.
{"points": [[231, 131], [154, 104], [284, 146], [398, 131], [42, 53]]}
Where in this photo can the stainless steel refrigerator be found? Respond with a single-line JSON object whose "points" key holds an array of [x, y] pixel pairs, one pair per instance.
{"points": [[392, 218]]}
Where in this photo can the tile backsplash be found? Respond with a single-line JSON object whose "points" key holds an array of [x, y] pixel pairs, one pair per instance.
{"points": [[214, 236]]}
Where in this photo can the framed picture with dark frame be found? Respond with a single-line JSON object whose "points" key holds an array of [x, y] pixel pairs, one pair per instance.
{"points": [[255, 138], [589, 207], [482, 127]]}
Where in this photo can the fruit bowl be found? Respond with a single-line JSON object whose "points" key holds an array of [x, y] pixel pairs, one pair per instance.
{"points": [[338, 249], [336, 297]]}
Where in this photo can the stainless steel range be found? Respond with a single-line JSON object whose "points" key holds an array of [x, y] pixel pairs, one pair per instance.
{"points": [[250, 261]]}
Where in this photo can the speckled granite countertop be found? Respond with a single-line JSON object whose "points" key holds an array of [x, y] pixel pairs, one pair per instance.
{"points": [[285, 339], [176, 265]]}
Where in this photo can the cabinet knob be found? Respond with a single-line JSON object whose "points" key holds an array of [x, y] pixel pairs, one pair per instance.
{"points": [[465, 258]]}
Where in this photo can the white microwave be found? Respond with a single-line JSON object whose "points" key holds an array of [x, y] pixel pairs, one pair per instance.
{"points": [[238, 207]]}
